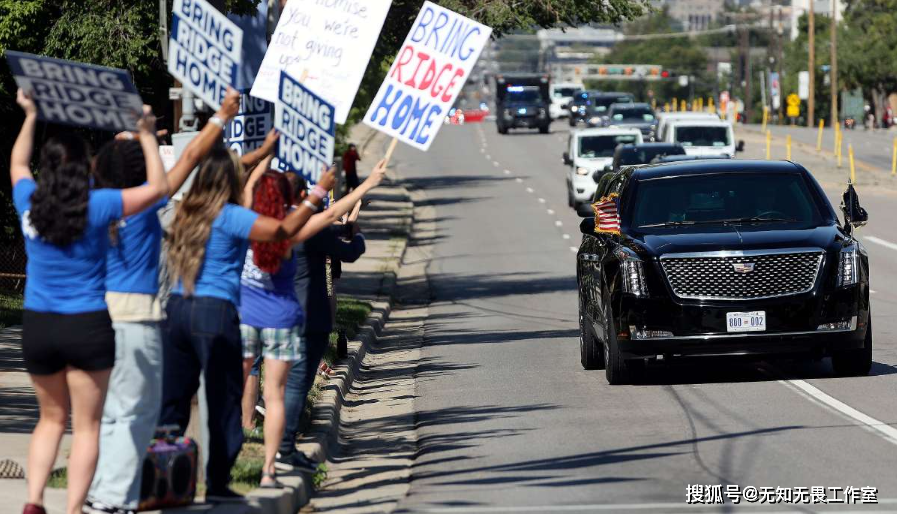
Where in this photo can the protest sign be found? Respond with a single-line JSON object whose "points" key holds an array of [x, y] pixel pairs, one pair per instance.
{"points": [[204, 50], [307, 129], [331, 41], [74, 93], [166, 152], [427, 75], [247, 130]]}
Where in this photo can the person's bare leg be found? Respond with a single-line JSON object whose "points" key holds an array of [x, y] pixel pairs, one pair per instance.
{"points": [[275, 415], [53, 398], [250, 394], [88, 392]]}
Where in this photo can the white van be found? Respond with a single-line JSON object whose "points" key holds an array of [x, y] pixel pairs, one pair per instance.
{"points": [[561, 94], [664, 119], [703, 137]]}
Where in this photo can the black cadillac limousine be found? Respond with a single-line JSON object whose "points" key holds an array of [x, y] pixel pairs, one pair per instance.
{"points": [[720, 258]]}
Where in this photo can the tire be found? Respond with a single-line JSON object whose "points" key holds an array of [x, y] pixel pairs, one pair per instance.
{"points": [[855, 363], [502, 130], [591, 355], [570, 202], [543, 130], [617, 370]]}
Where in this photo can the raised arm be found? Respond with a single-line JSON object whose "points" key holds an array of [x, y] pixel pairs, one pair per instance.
{"points": [[136, 199], [319, 221], [253, 178], [270, 229], [20, 160], [253, 158], [202, 144]]}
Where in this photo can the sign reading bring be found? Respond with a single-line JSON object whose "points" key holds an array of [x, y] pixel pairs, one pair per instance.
{"points": [[204, 50], [427, 75], [74, 93], [307, 129]]}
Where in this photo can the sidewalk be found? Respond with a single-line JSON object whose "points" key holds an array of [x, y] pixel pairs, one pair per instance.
{"points": [[385, 222]]}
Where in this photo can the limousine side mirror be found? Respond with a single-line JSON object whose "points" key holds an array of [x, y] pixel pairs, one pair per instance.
{"points": [[587, 226], [854, 214], [567, 160], [740, 146]]}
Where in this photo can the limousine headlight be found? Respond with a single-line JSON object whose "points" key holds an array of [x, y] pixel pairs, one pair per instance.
{"points": [[847, 266], [633, 270]]}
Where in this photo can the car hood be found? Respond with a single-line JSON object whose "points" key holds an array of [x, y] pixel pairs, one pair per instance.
{"points": [[593, 164], [735, 238]]}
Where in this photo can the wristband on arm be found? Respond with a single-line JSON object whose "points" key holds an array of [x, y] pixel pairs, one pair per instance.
{"points": [[318, 192]]}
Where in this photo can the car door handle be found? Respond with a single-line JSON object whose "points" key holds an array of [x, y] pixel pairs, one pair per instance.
{"points": [[589, 257]]}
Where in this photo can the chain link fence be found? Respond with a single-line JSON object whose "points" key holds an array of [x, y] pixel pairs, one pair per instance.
{"points": [[12, 265]]}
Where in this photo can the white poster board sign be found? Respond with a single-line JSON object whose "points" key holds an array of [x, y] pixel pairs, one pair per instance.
{"points": [[330, 41], [427, 75], [204, 50], [307, 129]]}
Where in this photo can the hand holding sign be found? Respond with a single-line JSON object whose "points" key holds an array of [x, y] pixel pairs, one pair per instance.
{"points": [[230, 106], [146, 125], [328, 178], [26, 103]]}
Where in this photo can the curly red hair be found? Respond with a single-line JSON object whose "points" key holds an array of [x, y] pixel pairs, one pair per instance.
{"points": [[272, 196]]}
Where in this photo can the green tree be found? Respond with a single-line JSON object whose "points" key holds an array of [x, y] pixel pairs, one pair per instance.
{"points": [[867, 42], [796, 59]]}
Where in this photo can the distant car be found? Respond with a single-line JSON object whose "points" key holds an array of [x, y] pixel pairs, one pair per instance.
{"points": [[590, 151], [704, 137], [637, 115], [721, 258], [562, 94], [665, 118], [579, 107], [645, 153], [600, 104]]}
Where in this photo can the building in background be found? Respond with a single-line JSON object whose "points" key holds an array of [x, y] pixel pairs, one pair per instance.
{"points": [[692, 14], [821, 8]]}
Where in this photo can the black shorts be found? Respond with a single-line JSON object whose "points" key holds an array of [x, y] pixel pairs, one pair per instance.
{"points": [[51, 342]]}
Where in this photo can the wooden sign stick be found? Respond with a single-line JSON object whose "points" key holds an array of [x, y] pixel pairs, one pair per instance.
{"points": [[392, 147]]}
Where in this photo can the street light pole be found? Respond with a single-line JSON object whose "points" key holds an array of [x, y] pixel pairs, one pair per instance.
{"points": [[811, 67], [834, 70]]}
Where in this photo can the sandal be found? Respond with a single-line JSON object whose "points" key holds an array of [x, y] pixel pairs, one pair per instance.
{"points": [[274, 484]]}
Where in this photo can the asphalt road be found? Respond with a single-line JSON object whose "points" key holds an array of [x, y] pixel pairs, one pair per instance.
{"points": [[507, 419]]}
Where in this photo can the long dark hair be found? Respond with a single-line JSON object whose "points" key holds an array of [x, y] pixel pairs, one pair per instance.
{"points": [[216, 183], [120, 165], [59, 204], [272, 196]]}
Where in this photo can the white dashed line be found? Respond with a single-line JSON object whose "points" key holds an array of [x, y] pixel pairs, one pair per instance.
{"points": [[558, 223], [566, 236], [574, 249], [882, 242], [482, 150], [495, 163], [550, 212], [507, 172], [519, 180], [488, 157], [541, 200], [529, 190]]}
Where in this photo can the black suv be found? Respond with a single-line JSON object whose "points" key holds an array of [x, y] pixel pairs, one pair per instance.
{"points": [[711, 258]]}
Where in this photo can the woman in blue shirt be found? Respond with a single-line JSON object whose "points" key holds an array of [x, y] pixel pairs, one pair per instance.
{"points": [[209, 238], [67, 340], [132, 283]]}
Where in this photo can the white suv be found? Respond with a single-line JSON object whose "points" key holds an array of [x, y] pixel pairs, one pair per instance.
{"points": [[589, 153]]}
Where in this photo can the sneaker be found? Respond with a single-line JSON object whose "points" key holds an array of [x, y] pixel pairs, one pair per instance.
{"points": [[98, 507], [226, 495], [295, 461], [31, 508]]}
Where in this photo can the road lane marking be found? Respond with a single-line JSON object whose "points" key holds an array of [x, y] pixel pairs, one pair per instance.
{"points": [[541, 200], [488, 157], [882, 242], [529, 190], [507, 172], [550, 212], [566, 236], [483, 150], [887, 432], [574, 249], [558, 223], [495, 163]]}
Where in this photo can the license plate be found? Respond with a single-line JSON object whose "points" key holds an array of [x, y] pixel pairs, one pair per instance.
{"points": [[746, 321]]}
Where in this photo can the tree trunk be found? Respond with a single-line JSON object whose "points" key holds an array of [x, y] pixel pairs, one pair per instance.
{"points": [[878, 100]]}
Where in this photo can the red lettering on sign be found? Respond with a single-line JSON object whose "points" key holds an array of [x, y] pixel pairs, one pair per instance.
{"points": [[402, 61]]}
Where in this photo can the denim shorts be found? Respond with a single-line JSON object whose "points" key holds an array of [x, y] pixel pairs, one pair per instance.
{"points": [[282, 344]]}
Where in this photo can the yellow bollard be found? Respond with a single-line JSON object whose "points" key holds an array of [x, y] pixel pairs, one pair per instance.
{"points": [[788, 147], [675, 104], [683, 106], [894, 158], [653, 104], [710, 107], [666, 107], [853, 170], [765, 116], [838, 143], [819, 136], [768, 143]]}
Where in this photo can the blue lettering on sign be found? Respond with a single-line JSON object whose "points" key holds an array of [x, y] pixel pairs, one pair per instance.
{"points": [[410, 114], [247, 131], [307, 129], [445, 32]]}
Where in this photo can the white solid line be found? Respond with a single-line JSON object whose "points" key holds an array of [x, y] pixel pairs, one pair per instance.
{"points": [[887, 432], [529, 190], [878, 241], [541, 200], [519, 180], [566, 236], [550, 212], [558, 223]]}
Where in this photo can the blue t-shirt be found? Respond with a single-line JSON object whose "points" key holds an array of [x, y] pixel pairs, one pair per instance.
{"points": [[69, 279], [132, 263], [269, 300], [219, 274]]}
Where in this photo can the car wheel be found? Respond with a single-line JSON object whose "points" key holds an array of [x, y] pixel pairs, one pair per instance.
{"points": [[543, 130], [855, 363], [569, 197], [617, 370], [502, 130], [590, 353]]}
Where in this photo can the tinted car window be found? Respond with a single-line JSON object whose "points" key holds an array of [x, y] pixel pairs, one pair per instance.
{"points": [[632, 156], [565, 91], [702, 136], [527, 95], [725, 196], [592, 147], [637, 114], [601, 103]]}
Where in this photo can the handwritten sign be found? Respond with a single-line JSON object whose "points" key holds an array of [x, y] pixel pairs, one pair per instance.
{"points": [[427, 75], [204, 50], [74, 93], [330, 40], [307, 129], [247, 130]]}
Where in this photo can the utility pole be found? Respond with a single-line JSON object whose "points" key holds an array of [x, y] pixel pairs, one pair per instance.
{"points": [[811, 67], [746, 51], [834, 69]]}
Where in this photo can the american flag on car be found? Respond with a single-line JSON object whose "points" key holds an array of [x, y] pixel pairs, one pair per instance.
{"points": [[607, 214]]}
